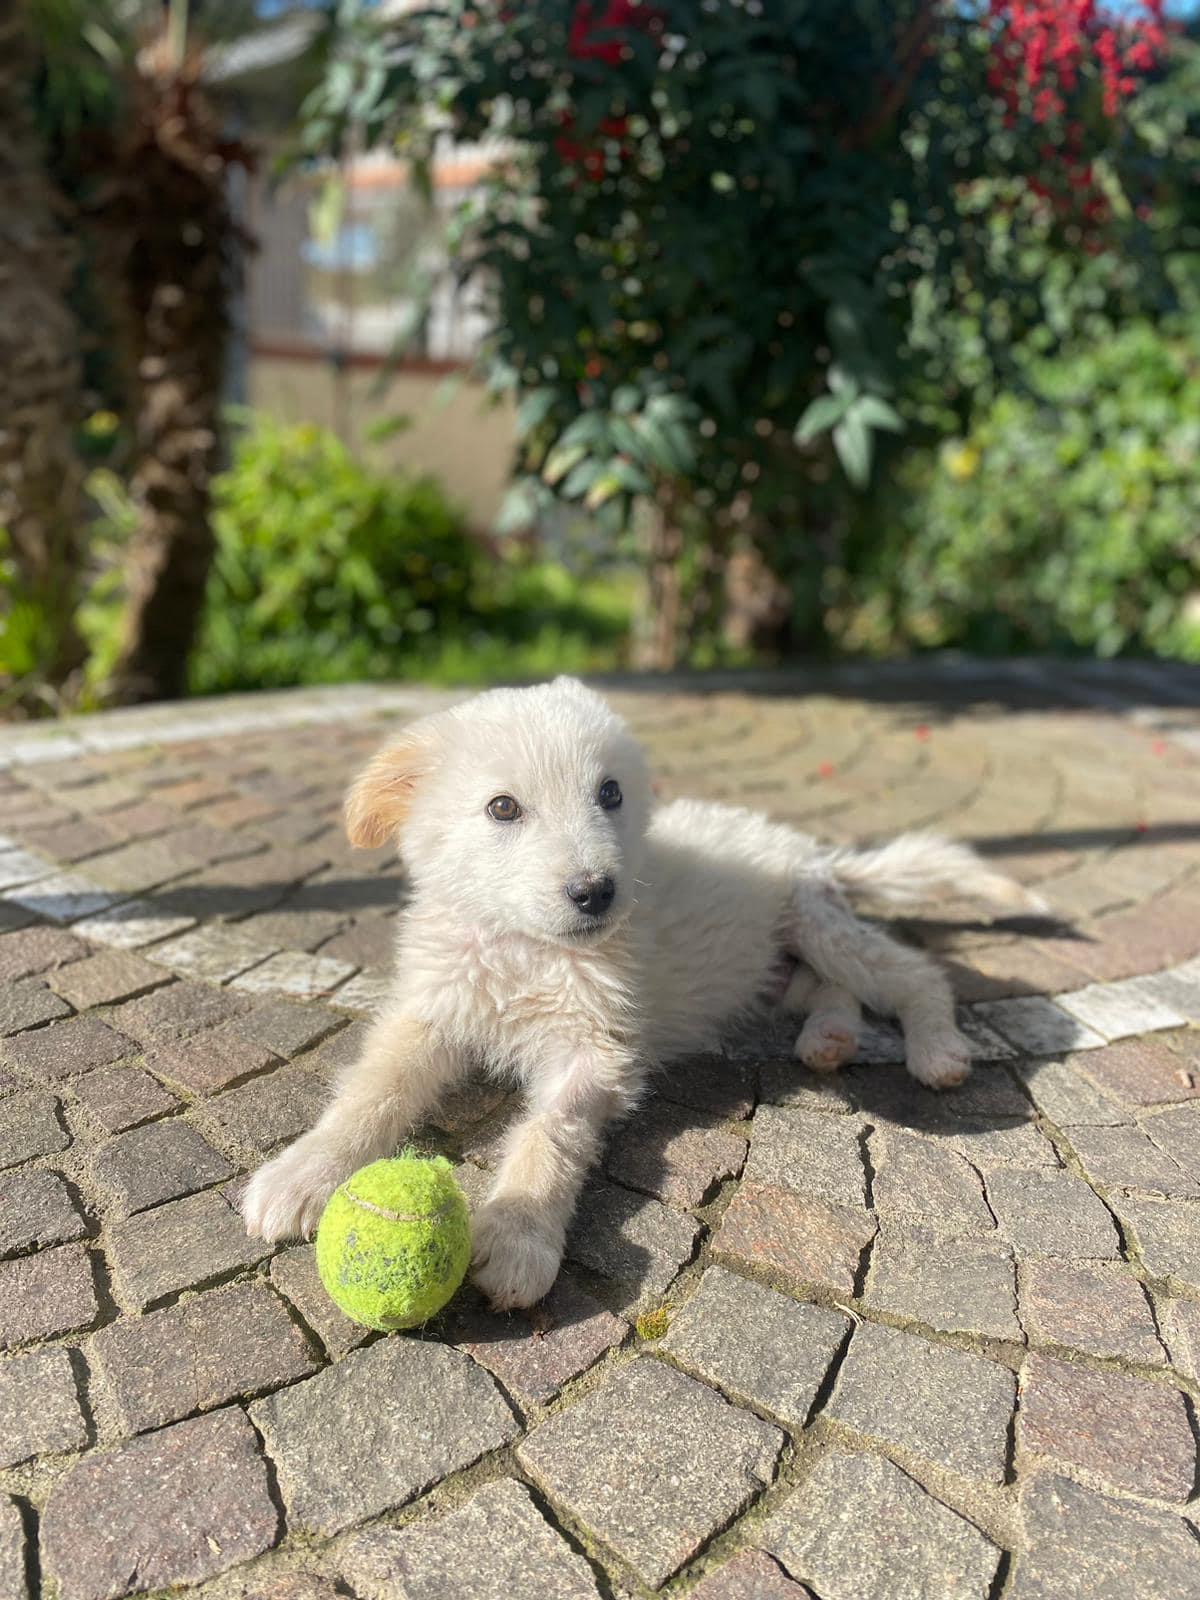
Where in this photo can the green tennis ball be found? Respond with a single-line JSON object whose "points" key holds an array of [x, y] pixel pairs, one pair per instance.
{"points": [[394, 1242]]}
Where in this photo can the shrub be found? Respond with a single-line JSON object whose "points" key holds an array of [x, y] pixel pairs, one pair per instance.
{"points": [[727, 240], [327, 571], [1068, 518]]}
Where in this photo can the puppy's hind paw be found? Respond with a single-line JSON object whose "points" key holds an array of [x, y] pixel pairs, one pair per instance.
{"points": [[513, 1261], [826, 1043], [941, 1062]]}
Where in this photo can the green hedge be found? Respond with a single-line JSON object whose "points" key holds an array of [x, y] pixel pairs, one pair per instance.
{"points": [[328, 571], [1067, 520]]}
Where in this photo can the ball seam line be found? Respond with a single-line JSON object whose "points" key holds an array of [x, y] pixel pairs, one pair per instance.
{"points": [[399, 1216]]}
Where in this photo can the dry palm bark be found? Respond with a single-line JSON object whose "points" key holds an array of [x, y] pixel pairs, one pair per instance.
{"points": [[40, 372], [169, 247]]}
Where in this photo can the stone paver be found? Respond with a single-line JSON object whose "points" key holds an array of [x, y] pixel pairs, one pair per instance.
{"points": [[132, 925], [1145, 1072], [201, 1353], [749, 1576], [67, 1048], [714, 1083], [173, 1507], [1126, 1158], [215, 953], [175, 1012], [30, 1125], [189, 953], [1180, 1323], [28, 1004], [343, 1456], [105, 978], [1089, 1306], [295, 972], [496, 1547], [954, 1285], [636, 1241], [675, 1154], [919, 1180], [285, 1027], [65, 897], [45, 1294], [122, 1097], [180, 1245], [270, 1109], [1175, 1132], [212, 1060], [1117, 1010], [805, 1241], [652, 1464], [1064, 1092], [37, 1209], [534, 1355], [1166, 1233], [40, 1411], [14, 1566], [1129, 1432], [951, 1407], [294, 1273], [161, 1161], [808, 1154], [1038, 1025], [859, 1528], [760, 1347], [1080, 1543], [1051, 1214], [36, 950]]}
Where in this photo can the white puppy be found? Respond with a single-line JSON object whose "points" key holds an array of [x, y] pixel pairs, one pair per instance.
{"points": [[565, 933]]}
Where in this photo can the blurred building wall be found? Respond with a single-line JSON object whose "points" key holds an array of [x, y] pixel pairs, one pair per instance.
{"points": [[335, 336], [457, 434]]}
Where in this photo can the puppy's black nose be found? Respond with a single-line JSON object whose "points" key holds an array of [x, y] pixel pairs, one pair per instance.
{"points": [[591, 893]]}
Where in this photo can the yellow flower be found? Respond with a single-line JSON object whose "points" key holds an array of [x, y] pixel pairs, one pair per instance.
{"points": [[962, 461], [101, 424]]}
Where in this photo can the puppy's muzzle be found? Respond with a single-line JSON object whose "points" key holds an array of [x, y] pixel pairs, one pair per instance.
{"points": [[592, 893]]}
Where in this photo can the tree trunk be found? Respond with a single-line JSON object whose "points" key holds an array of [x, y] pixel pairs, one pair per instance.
{"points": [[657, 638], [757, 606], [170, 251], [40, 373], [172, 548]]}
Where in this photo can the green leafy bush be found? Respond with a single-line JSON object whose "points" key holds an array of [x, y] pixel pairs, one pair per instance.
{"points": [[327, 571], [1067, 519]]}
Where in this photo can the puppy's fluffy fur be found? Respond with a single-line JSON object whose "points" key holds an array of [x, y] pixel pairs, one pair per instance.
{"points": [[716, 911]]}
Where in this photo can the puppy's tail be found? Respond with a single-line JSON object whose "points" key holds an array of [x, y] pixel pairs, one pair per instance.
{"points": [[914, 866]]}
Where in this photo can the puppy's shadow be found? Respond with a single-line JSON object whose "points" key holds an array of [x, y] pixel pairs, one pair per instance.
{"points": [[641, 1217]]}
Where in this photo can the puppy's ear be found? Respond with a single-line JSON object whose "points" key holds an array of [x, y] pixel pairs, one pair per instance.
{"points": [[379, 798]]}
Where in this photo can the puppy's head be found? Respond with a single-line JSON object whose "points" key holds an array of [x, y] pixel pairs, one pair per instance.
{"points": [[523, 810]]}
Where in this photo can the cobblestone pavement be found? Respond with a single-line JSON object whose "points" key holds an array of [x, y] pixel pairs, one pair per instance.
{"points": [[836, 1337]]}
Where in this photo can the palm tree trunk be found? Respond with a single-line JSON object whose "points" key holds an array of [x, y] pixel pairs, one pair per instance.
{"points": [[176, 456], [40, 372], [171, 248]]}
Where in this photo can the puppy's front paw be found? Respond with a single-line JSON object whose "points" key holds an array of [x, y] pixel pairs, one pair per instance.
{"points": [[514, 1260], [941, 1062], [827, 1043], [284, 1199]]}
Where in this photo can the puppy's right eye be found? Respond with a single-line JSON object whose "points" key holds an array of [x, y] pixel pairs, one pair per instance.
{"points": [[503, 808]]}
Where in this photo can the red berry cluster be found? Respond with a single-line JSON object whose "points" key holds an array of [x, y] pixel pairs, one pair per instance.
{"points": [[596, 35], [1041, 47], [1041, 51]]}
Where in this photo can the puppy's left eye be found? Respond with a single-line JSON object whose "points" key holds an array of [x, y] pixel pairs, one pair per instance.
{"points": [[503, 808], [609, 794]]}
